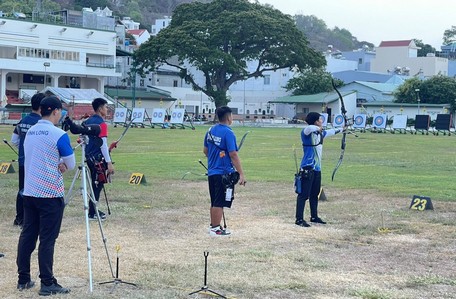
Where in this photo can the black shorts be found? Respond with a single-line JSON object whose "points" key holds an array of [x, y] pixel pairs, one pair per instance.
{"points": [[217, 192]]}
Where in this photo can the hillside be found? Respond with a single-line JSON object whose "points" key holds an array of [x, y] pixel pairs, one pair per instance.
{"points": [[147, 11]]}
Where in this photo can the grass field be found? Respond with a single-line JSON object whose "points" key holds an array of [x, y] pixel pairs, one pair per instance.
{"points": [[373, 246]]}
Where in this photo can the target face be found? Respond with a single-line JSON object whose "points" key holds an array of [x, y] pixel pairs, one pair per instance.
{"points": [[177, 116], [359, 120], [120, 114], [138, 115], [339, 120], [378, 121]]}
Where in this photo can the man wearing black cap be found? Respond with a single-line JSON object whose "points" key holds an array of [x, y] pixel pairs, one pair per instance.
{"points": [[312, 145], [48, 154]]}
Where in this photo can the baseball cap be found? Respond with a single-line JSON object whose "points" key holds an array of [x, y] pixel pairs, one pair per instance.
{"points": [[312, 117], [50, 103]]}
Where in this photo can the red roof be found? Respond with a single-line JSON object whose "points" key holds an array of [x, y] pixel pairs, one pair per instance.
{"points": [[396, 43], [136, 31]]}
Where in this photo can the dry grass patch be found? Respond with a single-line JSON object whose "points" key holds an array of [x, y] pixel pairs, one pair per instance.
{"points": [[162, 229]]}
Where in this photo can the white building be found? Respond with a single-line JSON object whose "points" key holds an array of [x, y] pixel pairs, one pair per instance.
{"points": [[402, 57], [129, 23], [140, 35], [160, 24], [35, 55]]}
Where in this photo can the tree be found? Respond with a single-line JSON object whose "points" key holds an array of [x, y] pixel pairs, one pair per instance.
{"points": [[406, 93], [220, 38], [435, 90], [26, 6], [425, 48], [312, 82], [449, 36]]}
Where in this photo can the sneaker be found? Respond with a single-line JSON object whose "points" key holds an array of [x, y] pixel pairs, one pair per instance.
{"points": [[25, 286], [302, 223], [54, 288], [95, 217], [102, 215], [219, 231], [317, 220]]}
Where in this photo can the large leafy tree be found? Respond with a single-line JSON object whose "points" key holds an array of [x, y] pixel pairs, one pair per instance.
{"points": [[220, 38], [312, 82], [435, 90]]}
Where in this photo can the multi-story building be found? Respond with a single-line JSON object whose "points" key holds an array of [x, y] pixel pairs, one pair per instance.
{"points": [[160, 24], [402, 57], [36, 54]]}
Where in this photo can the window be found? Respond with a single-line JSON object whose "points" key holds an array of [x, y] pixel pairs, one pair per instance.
{"points": [[267, 80], [175, 83], [141, 82], [360, 61]]}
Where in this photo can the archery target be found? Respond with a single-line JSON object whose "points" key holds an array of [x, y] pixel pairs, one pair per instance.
{"points": [[324, 119], [339, 120], [177, 116], [400, 121], [359, 121], [379, 121], [137, 115], [158, 115], [120, 115]]}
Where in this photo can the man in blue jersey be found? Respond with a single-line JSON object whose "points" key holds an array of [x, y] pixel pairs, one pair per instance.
{"points": [[312, 145], [221, 151], [17, 139], [98, 157], [48, 154]]}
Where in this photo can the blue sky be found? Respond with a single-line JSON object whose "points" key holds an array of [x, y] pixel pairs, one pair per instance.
{"points": [[378, 20]]}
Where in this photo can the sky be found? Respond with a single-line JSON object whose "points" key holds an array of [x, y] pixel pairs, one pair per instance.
{"points": [[375, 21]]}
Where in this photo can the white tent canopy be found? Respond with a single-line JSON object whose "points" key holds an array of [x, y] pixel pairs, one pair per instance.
{"points": [[76, 96]]}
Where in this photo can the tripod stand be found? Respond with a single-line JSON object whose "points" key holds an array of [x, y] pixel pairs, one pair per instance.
{"points": [[88, 194], [117, 280], [205, 289]]}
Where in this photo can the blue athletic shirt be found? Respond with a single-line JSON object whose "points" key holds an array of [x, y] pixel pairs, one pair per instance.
{"points": [[21, 130], [312, 145], [93, 149], [220, 141], [44, 146]]}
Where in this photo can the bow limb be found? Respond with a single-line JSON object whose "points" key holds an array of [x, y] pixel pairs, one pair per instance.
{"points": [[242, 140], [344, 134], [114, 144]]}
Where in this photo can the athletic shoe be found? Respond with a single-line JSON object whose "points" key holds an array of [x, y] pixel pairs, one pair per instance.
{"points": [[54, 288], [302, 223], [25, 286], [317, 220], [219, 231], [95, 217], [102, 215]]}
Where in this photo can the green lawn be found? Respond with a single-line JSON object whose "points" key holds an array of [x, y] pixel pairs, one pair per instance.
{"points": [[395, 164]]}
